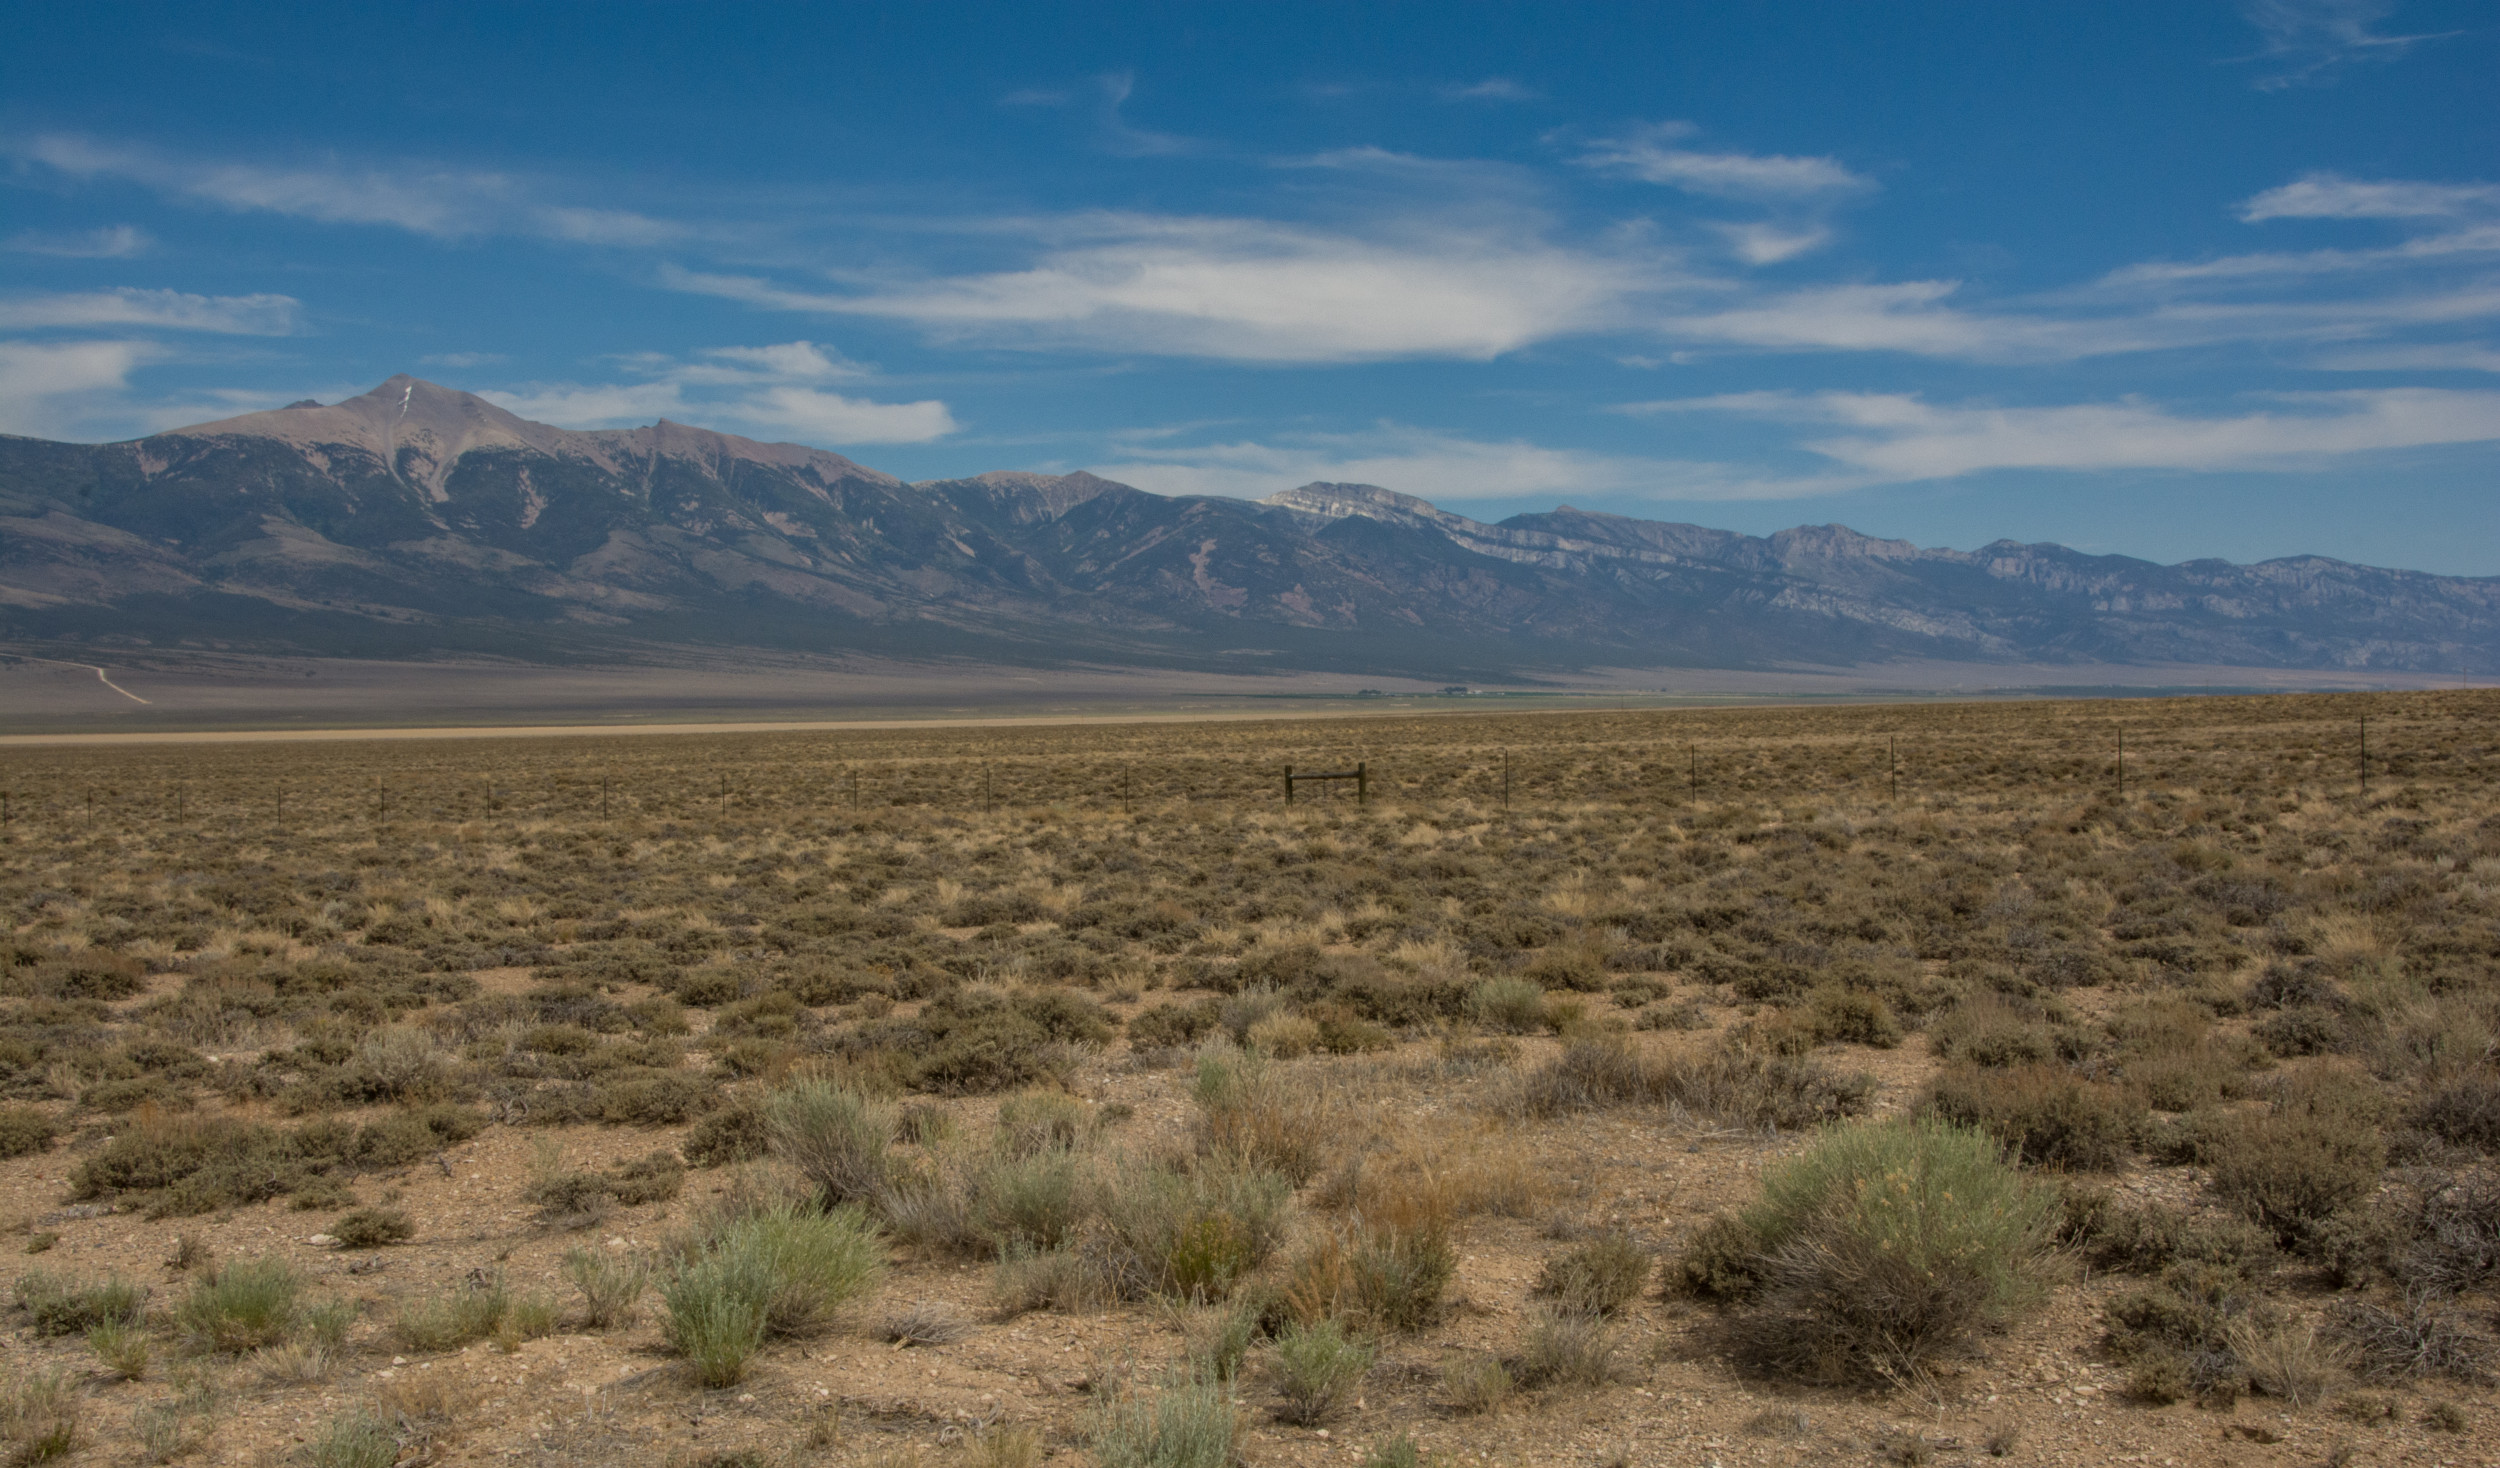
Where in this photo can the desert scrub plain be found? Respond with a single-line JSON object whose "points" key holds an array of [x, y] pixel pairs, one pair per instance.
{"points": [[1861, 1085]]}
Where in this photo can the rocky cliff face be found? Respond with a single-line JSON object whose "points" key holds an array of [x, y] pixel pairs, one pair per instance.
{"points": [[418, 519]]}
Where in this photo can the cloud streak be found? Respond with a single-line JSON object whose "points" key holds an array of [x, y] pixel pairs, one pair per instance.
{"points": [[2310, 42], [1438, 466], [2332, 196], [1253, 291], [1491, 89], [51, 389], [259, 315], [112, 242], [1125, 139], [770, 390], [1896, 437], [1484, 286], [2456, 245], [440, 203], [1649, 155], [1920, 319], [1425, 260]]}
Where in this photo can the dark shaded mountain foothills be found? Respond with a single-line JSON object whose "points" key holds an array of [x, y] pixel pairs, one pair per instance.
{"points": [[417, 520]]}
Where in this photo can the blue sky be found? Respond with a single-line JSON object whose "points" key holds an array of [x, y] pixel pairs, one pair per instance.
{"points": [[2215, 278]]}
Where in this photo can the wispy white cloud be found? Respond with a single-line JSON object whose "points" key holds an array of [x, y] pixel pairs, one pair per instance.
{"points": [[1769, 244], [262, 315], [1895, 437], [54, 389], [2428, 357], [462, 359], [825, 417], [1491, 89], [1475, 286], [768, 390], [1125, 139], [2480, 239], [1648, 155], [2332, 196], [443, 203], [1252, 290], [1911, 317], [592, 405], [1919, 318], [111, 242], [752, 290], [2309, 42], [1797, 193], [1441, 467], [83, 391], [620, 228], [794, 361]]}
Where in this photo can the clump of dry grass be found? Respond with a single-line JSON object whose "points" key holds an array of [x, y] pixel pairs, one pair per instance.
{"points": [[1599, 1277], [1253, 1109], [1566, 1348], [41, 1413]]}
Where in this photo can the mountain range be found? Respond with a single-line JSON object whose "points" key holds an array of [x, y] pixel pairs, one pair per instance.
{"points": [[417, 521]]}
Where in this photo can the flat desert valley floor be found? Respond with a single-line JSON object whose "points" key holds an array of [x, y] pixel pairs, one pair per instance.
{"points": [[58, 689], [1071, 1094]]}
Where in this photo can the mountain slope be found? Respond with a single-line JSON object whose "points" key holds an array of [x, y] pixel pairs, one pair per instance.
{"points": [[416, 519]]}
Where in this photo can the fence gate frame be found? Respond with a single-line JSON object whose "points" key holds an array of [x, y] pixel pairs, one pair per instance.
{"points": [[1360, 775]]}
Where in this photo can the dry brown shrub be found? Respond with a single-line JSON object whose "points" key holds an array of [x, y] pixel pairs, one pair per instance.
{"points": [[2311, 1154], [2047, 1114], [2421, 1335]]}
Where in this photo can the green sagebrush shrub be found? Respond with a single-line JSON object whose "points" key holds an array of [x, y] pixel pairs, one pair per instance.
{"points": [[1188, 1424], [778, 1271], [1316, 1367], [1881, 1247], [246, 1304]]}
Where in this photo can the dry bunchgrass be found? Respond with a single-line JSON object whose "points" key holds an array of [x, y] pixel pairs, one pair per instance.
{"points": [[1460, 1171], [1252, 1108]]}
